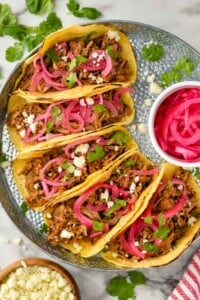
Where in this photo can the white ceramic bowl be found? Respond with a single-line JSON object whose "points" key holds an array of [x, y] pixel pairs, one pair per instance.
{"points": [[158, 101]]}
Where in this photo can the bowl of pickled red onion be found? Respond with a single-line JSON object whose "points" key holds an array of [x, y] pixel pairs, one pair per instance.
{"points": [[174, 124]]}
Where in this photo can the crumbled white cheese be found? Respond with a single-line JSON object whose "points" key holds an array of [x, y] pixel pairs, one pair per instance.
{"points": [[17, 241], [113, 35], [145, 241], [64, 58], [110, 204], [137, 178], [59, 169], [136, 243], [191, 221], [77, 172], [105, 195], [155, 88], [99, 79], [132, 187], [66, 234], [49, 216], [79, 161], [33, 127], [82, 102], [25, 114], [151, 78], [22, 133], [36, 282], [180, 187], [36, 185], [18, 126], [94, 54], [142, 128], [116, 148], [89, 101], [30, 119], [147, 102], [82, 148]]}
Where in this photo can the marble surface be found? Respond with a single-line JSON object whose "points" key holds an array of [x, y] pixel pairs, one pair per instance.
{"points": [[181, 18]]}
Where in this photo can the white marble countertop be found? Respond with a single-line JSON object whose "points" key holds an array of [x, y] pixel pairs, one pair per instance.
{"points": [[181, 18]]}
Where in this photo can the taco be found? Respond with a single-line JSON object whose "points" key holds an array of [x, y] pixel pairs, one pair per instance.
{"points": [[37, 125], [166, 227], [46, 176], [86, 223], [77, 61]]}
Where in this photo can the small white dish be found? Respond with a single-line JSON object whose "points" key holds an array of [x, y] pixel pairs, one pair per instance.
{"points": [[151, 123]]}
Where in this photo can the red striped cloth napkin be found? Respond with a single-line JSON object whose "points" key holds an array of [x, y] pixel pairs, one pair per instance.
{"points": [[188, 287]]}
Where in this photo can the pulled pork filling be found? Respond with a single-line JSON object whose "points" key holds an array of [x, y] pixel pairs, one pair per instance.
{"points": [[77, 62], [98, 209], [63, 168], [85, 114], [155, 233]]}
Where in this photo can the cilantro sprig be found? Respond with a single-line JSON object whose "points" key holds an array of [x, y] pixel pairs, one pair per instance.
{"points": [[182, 67], [123, 287], [119, 137], [39, 7], [153, 52], [27, 37], [84, 12], [96, 154]]}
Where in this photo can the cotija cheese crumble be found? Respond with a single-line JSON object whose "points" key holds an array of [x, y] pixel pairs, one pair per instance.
{"points": [[35, 283]]}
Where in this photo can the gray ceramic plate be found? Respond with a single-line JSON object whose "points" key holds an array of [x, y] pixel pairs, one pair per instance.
{"points": [[139, 34]]}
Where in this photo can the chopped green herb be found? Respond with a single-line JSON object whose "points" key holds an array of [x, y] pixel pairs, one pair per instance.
{"points": [[121, 288], [137, 278], [15, 52], [162, 232], [119, 137], [96, 154], [38, 7], [81, 59], [153, 52], [169, 184], [84, 12], [71, 80], [148, 220], [7, 18], [118, 203], [56, 113], [161, 219], [183, 66], [73, 64], [99, 108], [98, 226], [88, 36], [150, 247], [29, 36], [65, 178], [129, 163], [51, 56], [68, 167], [24, 207], [110, 51], [44, 228], [49, 126]]}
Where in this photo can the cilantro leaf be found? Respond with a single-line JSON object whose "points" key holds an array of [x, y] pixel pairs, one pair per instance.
{"points": [[71, 80], [98, 226], [88, 36], [24, 207], [162, 232], [68, 167], [183, 66], [39, 6], [99, 108], [150, 247], [120, 287], [119, 137], [137, 278], [129, 163], [51, 24], [43, 228], [161, 219], [84, 12], [152, 52], [148, 220], [49, 126], [15, 52], [51, 56], [117, 204], [7, 18], [96, 154], [56, 113], [18, 32]]}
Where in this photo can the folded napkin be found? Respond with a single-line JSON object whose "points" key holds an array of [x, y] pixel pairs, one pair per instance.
{"points": [[188, 287]]}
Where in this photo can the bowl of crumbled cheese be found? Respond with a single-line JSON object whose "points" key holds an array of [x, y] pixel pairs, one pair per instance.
{"points": [[37, 278]]}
